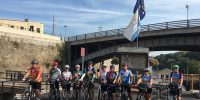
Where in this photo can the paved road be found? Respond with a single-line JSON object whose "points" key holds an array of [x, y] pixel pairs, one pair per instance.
{"points": [[185, 96]]}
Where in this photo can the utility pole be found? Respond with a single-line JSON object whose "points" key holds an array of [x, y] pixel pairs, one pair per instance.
{"points": [[100, 29], [187, 7], [53, 26]]}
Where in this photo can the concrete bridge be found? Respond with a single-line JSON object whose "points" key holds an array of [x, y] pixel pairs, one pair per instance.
{"points": [[183, 35]]}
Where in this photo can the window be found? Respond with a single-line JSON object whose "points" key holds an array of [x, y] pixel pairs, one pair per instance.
{"points": [[31, 28], [12, 26], [22, 28], [38, 30]]}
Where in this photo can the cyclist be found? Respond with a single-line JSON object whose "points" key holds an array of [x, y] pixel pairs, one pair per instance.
{"points": [[66, 77], [176, 78], [145, 81], [103, 73], [35, 73], [90, 75], [78, 75], [111, 77], [54, 75], [126, 78]]}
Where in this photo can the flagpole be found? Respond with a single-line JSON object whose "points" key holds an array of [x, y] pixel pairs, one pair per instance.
{"points": [[137, 41]]}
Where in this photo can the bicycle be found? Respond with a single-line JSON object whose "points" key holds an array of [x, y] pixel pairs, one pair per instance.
{"points": [[174, 87], [87, 88], [107, 95], [160, 91], [76, 90], [99, 96], [53, 95], [124, 92], [28, 93], [65, 95], [142, 90]]}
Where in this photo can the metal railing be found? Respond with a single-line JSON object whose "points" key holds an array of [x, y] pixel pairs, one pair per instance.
{"points": [[145, 28]]}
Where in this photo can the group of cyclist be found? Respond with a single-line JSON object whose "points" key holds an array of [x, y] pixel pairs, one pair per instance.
{"points": [[109, 79]]}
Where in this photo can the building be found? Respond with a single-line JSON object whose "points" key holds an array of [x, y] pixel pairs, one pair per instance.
{"points": [[25, 25]]}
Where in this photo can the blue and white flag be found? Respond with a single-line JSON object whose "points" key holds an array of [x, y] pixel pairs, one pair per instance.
{"points": [[133, 29]]}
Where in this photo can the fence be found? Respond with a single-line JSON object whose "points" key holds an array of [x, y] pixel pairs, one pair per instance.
{"points": [[145, 28]]}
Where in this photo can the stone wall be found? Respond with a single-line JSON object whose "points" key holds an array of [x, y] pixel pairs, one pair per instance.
{"points": [[16, 53]]}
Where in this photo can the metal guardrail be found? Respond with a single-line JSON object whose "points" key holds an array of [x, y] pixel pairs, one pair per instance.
{"points": [[145, 28]]}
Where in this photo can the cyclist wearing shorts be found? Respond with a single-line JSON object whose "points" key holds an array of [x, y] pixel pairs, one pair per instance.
{"points": [[54, 75], [126, 78], [145, 81], [35, 73], [111, 77], [176, 78], [90, 75], [66, 77]]}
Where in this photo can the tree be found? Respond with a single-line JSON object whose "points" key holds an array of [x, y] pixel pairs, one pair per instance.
{"points": [[154, 63]]}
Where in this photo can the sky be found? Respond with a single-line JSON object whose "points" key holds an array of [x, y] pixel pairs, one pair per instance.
{"points": [[85, 16]]}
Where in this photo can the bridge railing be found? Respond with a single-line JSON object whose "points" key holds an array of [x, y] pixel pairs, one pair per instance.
{"points": [[145, 28]]}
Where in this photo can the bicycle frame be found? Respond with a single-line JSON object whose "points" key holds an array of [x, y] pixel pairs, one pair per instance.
{"points": [[53, 91], [28, 93], [77, 92], [124, 92], [141, 92]]}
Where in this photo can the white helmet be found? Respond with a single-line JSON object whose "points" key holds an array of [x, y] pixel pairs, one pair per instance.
{"points": [[78, 66], [66, 66], [146, 69]]}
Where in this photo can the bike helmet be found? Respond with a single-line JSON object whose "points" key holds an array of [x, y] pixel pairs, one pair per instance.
{"points": [[175, 67], [104, 66], [146, 69], [124, 64], [66, 66], [90, 62], [112, 66], [34, 62], [55, 63], [78, 66]]}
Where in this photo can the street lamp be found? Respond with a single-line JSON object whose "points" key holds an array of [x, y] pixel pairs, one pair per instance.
{"points": [[187, 7], [65, 31]]}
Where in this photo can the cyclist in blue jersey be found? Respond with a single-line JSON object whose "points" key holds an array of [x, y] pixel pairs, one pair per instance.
{"points": [[145, 81], [176, 77], [126, 77], [89, 78]]}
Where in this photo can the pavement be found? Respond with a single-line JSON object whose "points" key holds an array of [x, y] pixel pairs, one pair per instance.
{"points": [[187, 95]]}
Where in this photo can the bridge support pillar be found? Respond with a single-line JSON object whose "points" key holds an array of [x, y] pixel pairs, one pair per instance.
{"points": [[136, 58]]}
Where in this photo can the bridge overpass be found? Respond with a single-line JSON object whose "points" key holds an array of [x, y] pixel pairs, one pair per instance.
{"points": [[183, 35]]}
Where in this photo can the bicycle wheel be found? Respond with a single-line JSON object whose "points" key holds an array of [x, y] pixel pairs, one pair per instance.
{"points": [[26, 95], [99, 94], [64, 95], [52, 95]]}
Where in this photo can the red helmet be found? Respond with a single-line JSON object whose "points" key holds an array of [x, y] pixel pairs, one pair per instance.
{"points": [[124, 64], [55, 63]]}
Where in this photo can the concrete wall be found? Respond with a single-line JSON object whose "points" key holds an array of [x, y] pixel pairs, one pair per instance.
{"points": [[18, 49], [135, 61]]}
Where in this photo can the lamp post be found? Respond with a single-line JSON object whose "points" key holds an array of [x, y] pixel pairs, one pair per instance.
{"points": [[65, 31], [187, 7]]}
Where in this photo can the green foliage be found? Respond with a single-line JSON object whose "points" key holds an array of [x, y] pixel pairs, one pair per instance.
{"points": [[115, 61], [47, 65], [183, 59]]}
